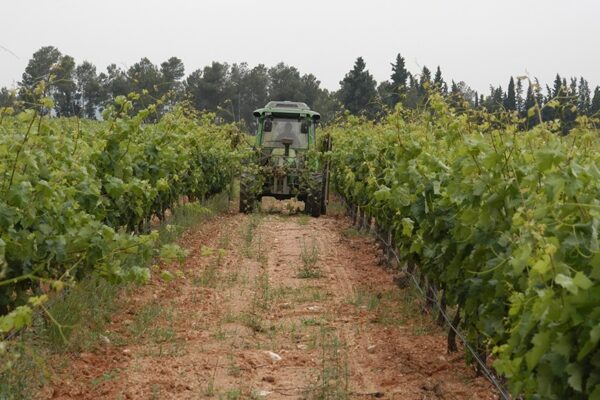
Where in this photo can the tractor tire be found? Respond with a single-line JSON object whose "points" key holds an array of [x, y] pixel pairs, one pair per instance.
{"points": [[314, 198], [247, 195]]}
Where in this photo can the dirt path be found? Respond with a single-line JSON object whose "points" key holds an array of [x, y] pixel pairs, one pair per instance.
{"points": [[270, 307]]}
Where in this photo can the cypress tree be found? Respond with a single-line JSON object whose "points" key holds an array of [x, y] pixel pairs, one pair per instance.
{"points": [[398, 79], [529, 110], [595, 105], [510, 100], [519, 96], [425, 78]]}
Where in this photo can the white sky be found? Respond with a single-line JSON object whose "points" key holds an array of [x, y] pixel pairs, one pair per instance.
{"points": [[479, 41]]}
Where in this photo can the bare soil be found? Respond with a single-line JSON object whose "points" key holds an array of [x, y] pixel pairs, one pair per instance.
{"points": [[275, 307]]}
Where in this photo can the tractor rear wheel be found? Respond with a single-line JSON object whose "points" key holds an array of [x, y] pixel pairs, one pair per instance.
{"points": [[247, 195], [314, 197]]}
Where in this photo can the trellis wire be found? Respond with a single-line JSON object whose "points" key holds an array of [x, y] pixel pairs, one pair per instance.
{"points": [[487, 373]]}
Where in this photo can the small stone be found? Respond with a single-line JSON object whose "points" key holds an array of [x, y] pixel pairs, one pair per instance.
{"points": [[429, 386], [263, 393], [371, 349], [273, 356], [127, 352], [105, 339]]}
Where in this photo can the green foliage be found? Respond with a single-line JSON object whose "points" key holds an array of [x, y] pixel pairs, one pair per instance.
{"points": [[81, 197], [357, 90], [507, 222], [173, 253]]}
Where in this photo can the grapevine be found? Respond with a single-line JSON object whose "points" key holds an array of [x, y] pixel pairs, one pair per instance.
{"points": [[82, 197], [503, 223]]}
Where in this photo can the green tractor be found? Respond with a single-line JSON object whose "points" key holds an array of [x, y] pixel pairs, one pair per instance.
{"points": [[286, 163]]}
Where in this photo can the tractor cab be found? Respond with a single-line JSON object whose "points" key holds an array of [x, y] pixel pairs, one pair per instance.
{"points": [[286, 131], [287, 126]]}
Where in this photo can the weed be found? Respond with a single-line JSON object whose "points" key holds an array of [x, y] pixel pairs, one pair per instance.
{"points": [[368, 300], [189, 215], [145, 319], [155, 388], [224, 240], [219, 334], [335, 207], [309, 294], [248, 233], [105, 377], [172, 349], [309, 273], [82, 316], [208, 277], [230, 279], [352, 233], [333, 380], [309, 254], [235, 370], [233, 394], [311, 322], [260, 253], [229, 318], [252, 321], [26, 368], [264, 294], [210, 389], [160, 334]]}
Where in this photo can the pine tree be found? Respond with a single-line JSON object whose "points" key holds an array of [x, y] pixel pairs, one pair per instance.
{"points": [[557, 90], [555, 99], [398, 80], [583, 97], [357, 92], [413, 93], [454, 88], [424, 85], [496, 99], [571, 110], [537, 92], [573, 88], [438, 82], [455, 95], [425, 79]]}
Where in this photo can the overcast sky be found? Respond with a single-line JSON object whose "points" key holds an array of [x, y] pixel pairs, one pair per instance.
{"points": [[479, 41]]}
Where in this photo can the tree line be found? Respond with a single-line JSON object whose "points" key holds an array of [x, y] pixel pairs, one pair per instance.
{"points": [[233, 91]]}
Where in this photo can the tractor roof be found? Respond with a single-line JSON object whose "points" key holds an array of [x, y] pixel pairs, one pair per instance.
{"points": [[287, 109]]}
